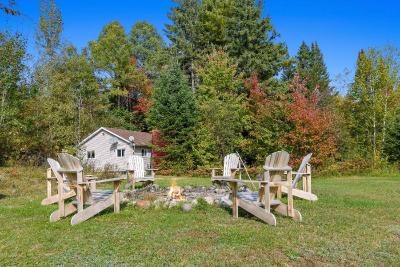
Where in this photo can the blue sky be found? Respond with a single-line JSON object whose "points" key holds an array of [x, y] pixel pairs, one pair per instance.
{"points": [[340, 27]]}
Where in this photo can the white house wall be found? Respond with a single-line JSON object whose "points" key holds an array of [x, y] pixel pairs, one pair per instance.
{"points": [[105, 146]]}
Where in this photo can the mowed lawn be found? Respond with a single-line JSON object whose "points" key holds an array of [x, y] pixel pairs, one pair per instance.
{"points": [[355, 222]]}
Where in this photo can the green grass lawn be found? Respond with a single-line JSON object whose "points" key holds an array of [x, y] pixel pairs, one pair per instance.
{"points": [[355, 222]]}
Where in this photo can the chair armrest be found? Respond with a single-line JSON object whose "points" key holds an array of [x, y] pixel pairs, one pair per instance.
{"points": [[302, 173], [152, 169], [70, 171], [106, 180], [287, 168]]}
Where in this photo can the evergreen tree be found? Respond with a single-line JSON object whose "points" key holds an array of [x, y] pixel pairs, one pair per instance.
{"points": [[319, 77], [183, 33], [173, 114], [311, 68], [251, 39], [303, 61], [235, 26]]}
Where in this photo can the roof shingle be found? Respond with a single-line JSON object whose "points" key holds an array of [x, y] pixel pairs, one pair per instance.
{"points": [[141, 138]]}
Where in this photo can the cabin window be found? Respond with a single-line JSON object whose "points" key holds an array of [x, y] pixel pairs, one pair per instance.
{"points": [[145, 152], [90, 154], [120, 153]]}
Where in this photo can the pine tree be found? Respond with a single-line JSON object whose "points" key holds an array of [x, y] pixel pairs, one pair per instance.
{"points": [[173, 114], [236, 26], [304, 62], [319, 77], [183, 33], [311, 68], [252, 40]]}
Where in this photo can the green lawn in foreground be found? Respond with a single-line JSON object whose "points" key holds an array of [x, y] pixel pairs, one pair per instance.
{"points": [[355, 222]]}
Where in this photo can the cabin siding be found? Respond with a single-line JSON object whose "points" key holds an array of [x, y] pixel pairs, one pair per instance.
{"points": [[105, 146]]}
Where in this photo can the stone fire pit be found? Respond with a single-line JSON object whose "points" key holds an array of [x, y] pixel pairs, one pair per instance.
{"points": [[154, 195]]}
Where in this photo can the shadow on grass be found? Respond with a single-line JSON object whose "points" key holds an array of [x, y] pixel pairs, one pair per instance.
{"points": [[2, 196]]}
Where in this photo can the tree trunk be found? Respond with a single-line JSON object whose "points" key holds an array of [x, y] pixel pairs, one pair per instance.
{"points": [[384, 119]]}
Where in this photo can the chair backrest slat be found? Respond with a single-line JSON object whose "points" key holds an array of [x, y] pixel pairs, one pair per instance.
{"points": [[136, 164], [231, 161], [69, 162], [302, 168], [55, 167], [277, 159]]}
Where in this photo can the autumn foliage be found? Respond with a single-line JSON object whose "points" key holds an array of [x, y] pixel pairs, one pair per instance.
{"points": [[312, 127]]}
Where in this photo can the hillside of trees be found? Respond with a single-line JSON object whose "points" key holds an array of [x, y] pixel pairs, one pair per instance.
{"points": [[225, 82]]}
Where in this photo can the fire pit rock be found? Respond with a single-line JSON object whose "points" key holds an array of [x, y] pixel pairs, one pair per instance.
{"points": [[144, 204]]}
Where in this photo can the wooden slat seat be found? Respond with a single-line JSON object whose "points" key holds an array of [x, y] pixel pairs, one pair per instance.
{"points": [[100, 195], [253, 197]]}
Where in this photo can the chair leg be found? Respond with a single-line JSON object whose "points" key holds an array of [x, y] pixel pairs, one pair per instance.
{"points": [[283, 210], [289, 194], [61, 199], [235, 202], [116, 196], [56, 215], [79, 197]]}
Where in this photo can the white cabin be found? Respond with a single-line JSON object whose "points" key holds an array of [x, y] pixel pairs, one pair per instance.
{"points": [[110, 148]]}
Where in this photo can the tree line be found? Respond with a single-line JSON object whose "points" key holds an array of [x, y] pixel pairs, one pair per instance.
{"points": [[224, 83]]}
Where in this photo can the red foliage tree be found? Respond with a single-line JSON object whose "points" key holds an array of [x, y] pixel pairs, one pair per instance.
{"points": [[312, 127], [158, 145]]}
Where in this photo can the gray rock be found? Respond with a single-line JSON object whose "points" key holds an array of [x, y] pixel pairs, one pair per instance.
{"points": [[209, 200], [220, 191], [186, 207], [156, 187], [172, 203]]}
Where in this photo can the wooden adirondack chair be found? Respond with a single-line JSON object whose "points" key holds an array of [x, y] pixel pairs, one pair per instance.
{"points": [[89, 201], [304, 172], [231, 167], [278, 174], [136, 165], [261, 203], [53, 198]]}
